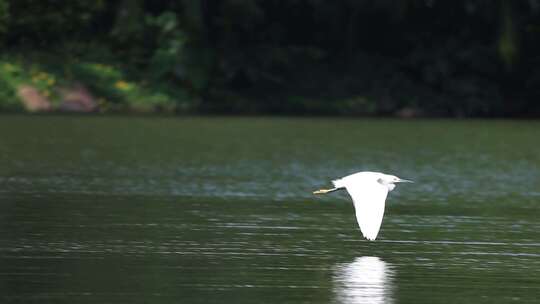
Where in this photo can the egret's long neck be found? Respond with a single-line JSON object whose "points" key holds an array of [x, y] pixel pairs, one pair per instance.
{"points": [[390, 187]]}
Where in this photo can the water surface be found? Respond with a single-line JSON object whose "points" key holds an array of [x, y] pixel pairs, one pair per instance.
{"points": [[220, 210]]}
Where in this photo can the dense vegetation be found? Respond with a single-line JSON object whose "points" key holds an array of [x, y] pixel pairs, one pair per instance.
{"points": [[350, 57]]}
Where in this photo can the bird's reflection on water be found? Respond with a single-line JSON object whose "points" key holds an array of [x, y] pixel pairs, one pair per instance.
{"points": [[365, 280]]}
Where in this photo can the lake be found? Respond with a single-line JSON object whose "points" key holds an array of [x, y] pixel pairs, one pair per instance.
{"points": [[220, 210]]}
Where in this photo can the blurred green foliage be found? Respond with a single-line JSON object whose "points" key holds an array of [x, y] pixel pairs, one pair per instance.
{"points": [[8, 83], [117, 91], [4, 16], [37, 22], [353, 57], [13, 73]]}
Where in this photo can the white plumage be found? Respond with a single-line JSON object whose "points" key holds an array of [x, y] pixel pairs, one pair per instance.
{"points": [[368, 191]]}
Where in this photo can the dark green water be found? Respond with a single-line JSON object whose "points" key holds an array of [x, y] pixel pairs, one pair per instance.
{"points": [[220, 210]]}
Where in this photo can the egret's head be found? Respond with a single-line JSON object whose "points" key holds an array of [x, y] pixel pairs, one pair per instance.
{"points": [[396, 179], [392, 179]]}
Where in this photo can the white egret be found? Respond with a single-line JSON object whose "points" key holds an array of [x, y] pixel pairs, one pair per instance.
{"points": [[368, 191]]}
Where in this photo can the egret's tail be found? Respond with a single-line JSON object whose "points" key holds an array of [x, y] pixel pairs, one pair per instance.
{"points": [[324, 191]]}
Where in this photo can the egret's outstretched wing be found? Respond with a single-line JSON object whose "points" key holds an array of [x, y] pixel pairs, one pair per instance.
{"points": [[369, 198]]}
